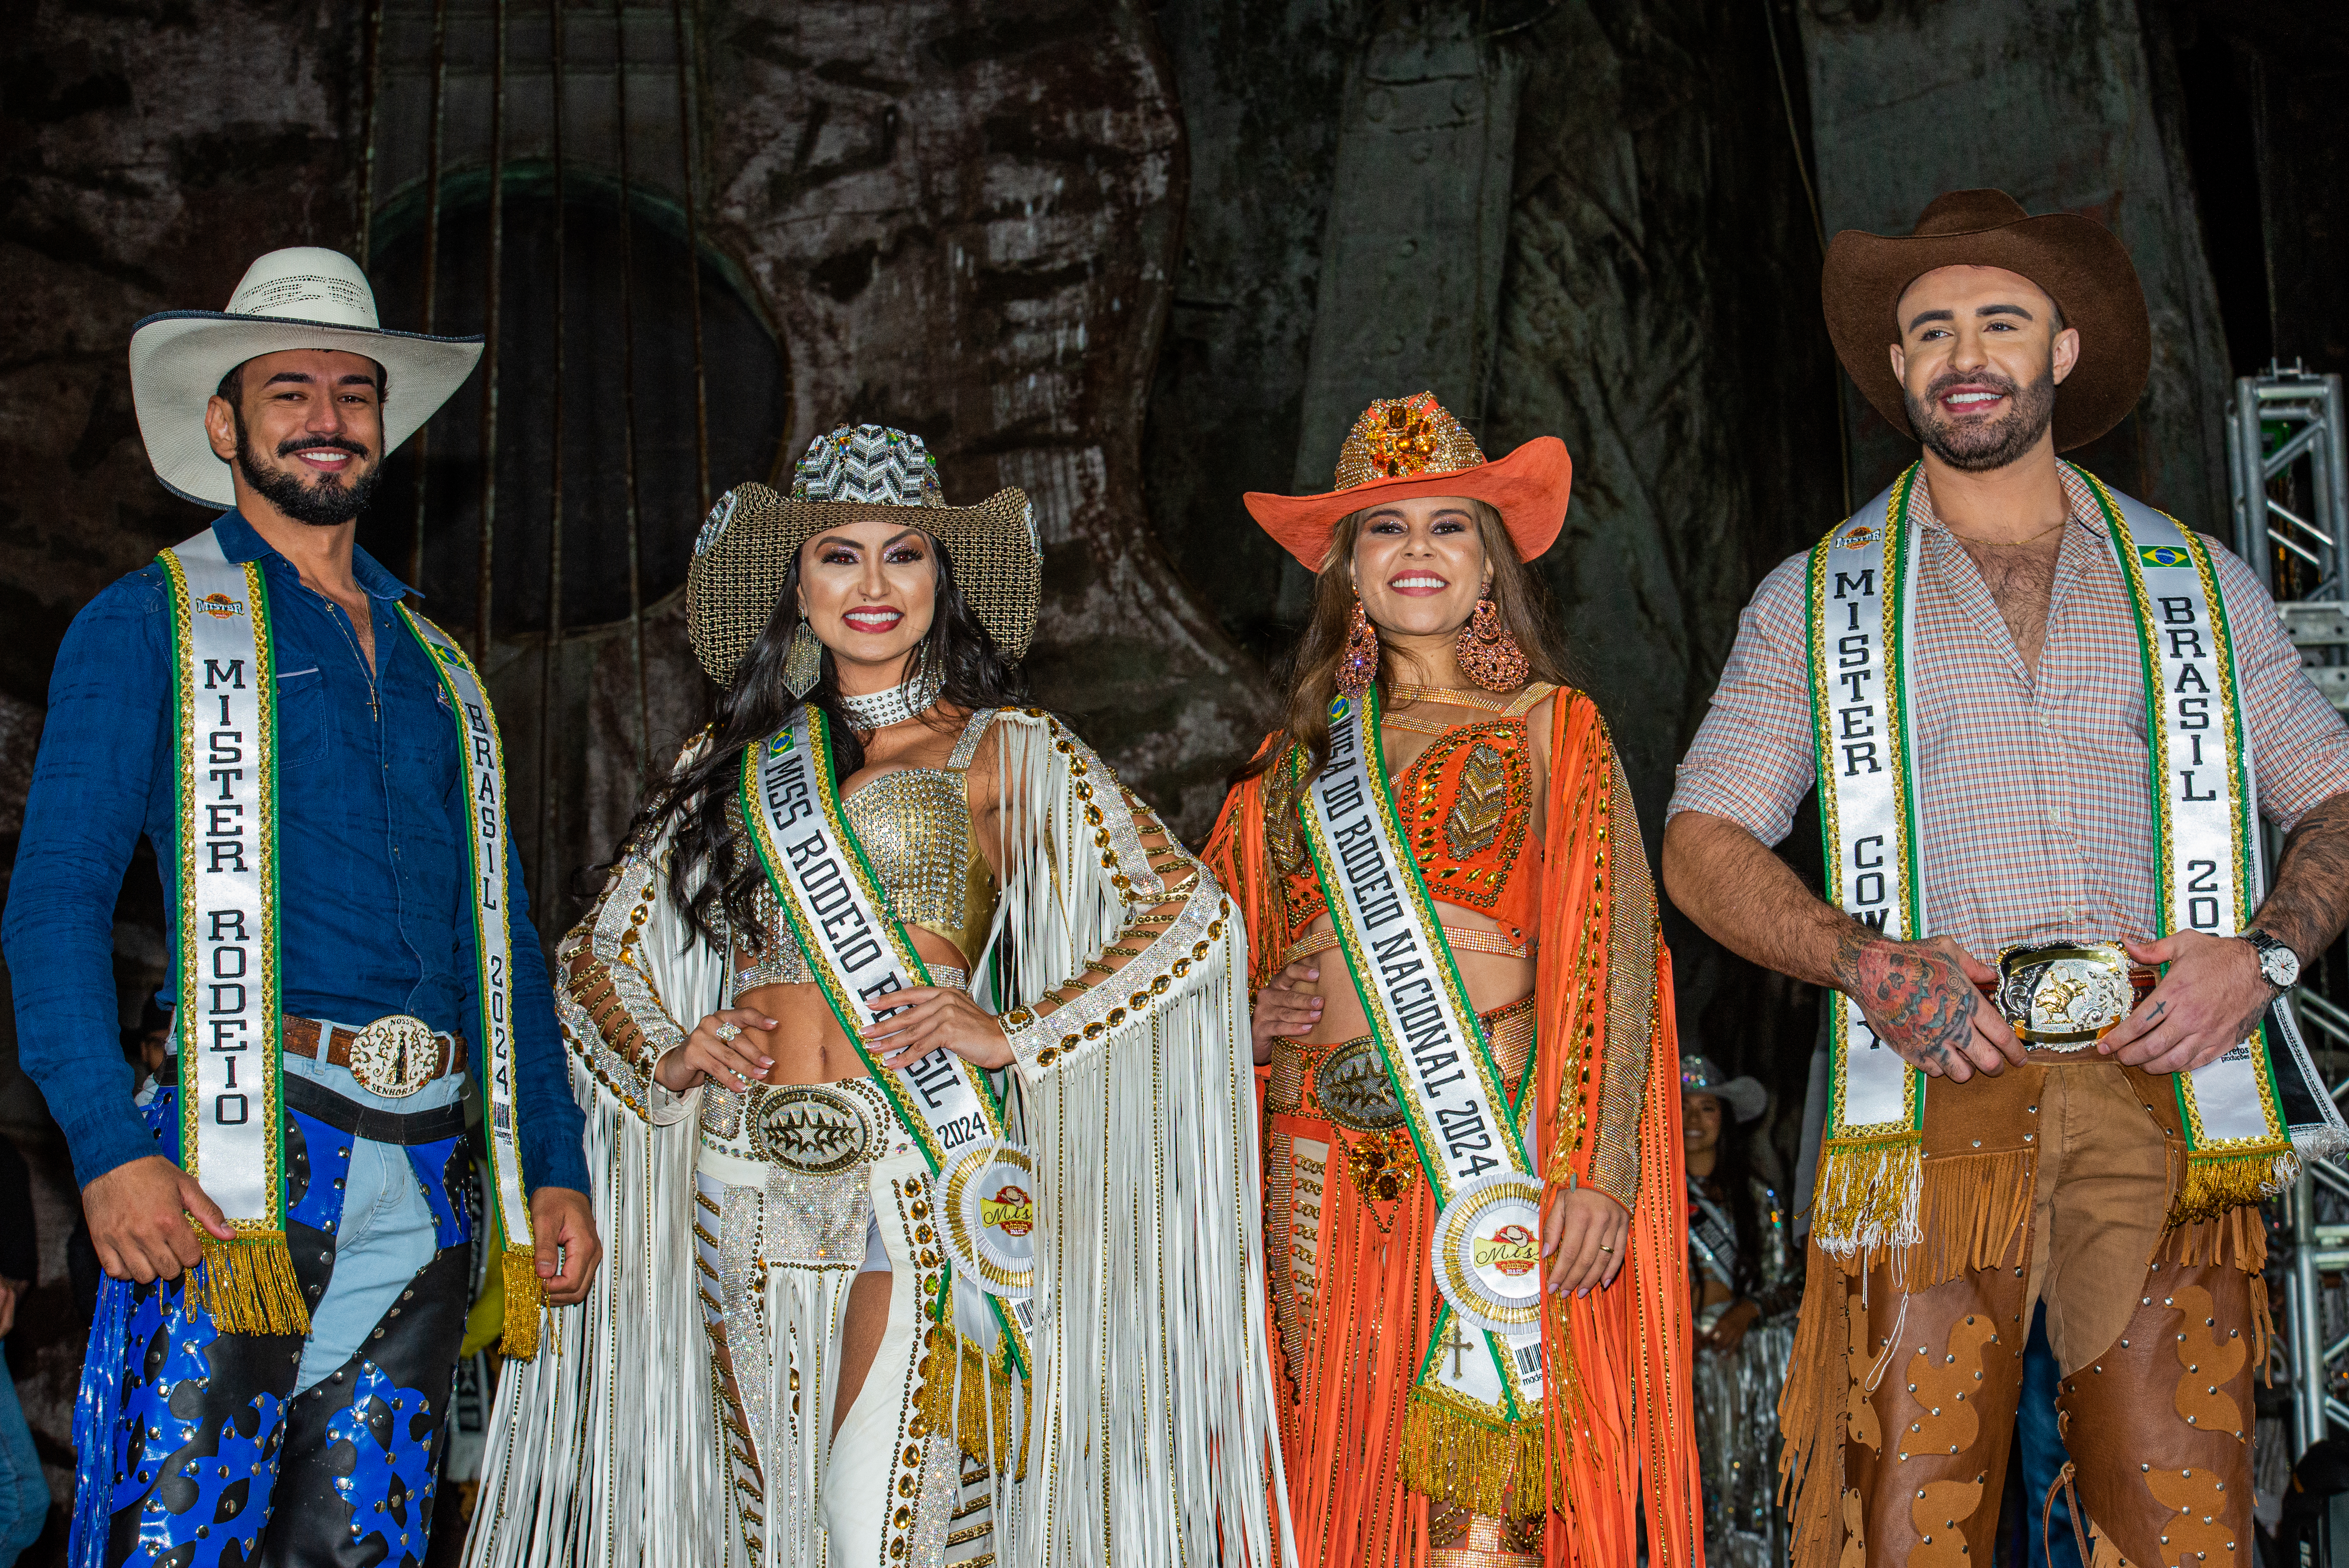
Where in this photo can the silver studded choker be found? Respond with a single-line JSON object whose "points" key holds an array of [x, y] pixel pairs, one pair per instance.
{"points": [[878, 710]]}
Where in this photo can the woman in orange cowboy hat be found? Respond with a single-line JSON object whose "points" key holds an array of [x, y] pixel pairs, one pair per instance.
{"points": [[1463, 1025]]}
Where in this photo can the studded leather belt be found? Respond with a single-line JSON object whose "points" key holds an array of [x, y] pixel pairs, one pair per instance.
{"points": [[394, 1057]]}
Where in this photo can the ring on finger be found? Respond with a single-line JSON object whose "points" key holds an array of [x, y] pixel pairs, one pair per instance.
{"points": [[726, 1031]]}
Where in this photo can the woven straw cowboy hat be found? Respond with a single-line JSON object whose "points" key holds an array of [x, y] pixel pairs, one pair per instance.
{"points": [[2080, 264], [304, 297], [1407, 447], [1743, 1095], [855, 474]]}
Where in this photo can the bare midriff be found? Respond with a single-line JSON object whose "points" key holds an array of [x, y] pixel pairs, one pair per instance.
{"points": [[807, 1042], [1493, 979]]}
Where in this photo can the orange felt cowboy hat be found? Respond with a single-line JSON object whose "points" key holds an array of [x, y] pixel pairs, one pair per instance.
{"points": [[2080, 264], [1408, 447]]}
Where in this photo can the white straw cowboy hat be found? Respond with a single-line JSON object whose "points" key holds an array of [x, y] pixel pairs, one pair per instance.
{"points": [[303, 297]]}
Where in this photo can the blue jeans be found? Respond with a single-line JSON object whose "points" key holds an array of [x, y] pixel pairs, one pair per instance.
{"points": [[24, 1495], [2043, 1450]]}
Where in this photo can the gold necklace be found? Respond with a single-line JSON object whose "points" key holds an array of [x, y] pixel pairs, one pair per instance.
{"points": [[1491, 702]]}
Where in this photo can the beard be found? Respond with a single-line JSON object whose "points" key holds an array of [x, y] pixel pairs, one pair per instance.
{"points": [[326, 501], [1993, 444]]}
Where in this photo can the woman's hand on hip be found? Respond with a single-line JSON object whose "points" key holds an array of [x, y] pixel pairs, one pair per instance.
{"points": [[1583, 1238], [1285, 1010], [937, 1017], [722, 1048]]}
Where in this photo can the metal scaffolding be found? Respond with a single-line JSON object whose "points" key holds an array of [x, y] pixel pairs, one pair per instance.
{"points": [[2285, 452]]}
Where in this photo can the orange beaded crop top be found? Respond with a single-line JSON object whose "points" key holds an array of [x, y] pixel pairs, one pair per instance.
{"points": [[1467, 805]]}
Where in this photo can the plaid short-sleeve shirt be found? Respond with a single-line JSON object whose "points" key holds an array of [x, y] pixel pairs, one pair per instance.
{"points": [[2033, 806]]}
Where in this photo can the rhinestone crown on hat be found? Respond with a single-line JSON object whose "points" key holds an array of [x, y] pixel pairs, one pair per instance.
{"points": [[1401, 436], [1698, 1074], [871, 464]]}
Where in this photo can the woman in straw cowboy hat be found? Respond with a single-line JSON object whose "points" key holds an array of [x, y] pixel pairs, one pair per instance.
{"points": [[1464, 1024], [916, 1068]]}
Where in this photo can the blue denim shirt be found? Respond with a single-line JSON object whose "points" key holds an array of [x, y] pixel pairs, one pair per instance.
{"points": [[373, 881]]}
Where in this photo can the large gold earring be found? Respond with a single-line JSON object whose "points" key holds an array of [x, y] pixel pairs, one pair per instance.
{"points": [[1488, 655], [1360, 667], [803, 664]]}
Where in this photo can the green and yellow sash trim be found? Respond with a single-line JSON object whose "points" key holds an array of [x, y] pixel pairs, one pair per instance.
{"points": [[860, 956], [225, 875], [1861, 582]]}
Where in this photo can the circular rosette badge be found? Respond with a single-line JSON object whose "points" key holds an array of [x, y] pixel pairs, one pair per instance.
{"points": [[1488, 1252], [991, 1213]]}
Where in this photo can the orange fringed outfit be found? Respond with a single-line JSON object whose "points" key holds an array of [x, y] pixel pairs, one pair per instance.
{"points": [[1382, 1469]]}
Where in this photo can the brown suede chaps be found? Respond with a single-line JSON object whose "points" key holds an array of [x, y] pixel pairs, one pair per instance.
{"points": [[2047, 1182]]}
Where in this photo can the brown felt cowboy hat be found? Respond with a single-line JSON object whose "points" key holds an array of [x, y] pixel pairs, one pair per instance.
{"points": [[1407, 447], [2079, 263]]}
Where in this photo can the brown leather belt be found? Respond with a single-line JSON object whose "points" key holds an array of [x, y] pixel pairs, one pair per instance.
{"points": [[395, 1056]]}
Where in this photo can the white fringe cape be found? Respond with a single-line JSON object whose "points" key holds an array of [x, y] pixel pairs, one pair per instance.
{"points": [[1149, 1425]]}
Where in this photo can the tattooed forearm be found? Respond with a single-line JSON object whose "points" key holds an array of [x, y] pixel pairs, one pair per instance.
{"points": [[2310, 899]]}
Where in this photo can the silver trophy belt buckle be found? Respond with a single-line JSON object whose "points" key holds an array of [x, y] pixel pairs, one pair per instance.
{"points": [[395, 1056], [2065, 996]]}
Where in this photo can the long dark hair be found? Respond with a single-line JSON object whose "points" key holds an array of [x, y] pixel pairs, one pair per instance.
{"points": [[712, 874], [1732, 1186], [1518, 597]]}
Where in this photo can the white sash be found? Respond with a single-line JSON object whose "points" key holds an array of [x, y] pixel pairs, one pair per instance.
{"points": [[1486, 1248], [231, 1122], [860, 956], [1862, 581], [482, 761]]}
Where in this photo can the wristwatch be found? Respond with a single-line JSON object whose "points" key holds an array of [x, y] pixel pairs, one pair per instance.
{"points": [[2279, 965]]}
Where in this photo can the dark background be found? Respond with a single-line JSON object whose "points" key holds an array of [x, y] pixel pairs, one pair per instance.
{"points": [[1134, 258]]}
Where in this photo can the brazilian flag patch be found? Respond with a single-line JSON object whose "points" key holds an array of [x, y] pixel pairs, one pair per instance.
{"points": [[2163, 555]]}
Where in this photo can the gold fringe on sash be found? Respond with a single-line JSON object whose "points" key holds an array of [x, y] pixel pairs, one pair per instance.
{"points": [[2216, 1182], [525, 1296], [1867, 1193], [1455, 1451], [248, 1285], [982, 1426]]}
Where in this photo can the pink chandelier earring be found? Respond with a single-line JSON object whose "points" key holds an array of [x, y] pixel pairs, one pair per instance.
{"points": [[1360, 665], [1488, 655]]}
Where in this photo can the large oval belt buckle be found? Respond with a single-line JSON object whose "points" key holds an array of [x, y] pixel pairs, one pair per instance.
{"points": [[813, 1129], [2064, 995], [395, 1056]]}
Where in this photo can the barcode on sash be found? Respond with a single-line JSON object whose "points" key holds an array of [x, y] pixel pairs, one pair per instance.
{"points": [[1027, 1313], [1529, 1361]]}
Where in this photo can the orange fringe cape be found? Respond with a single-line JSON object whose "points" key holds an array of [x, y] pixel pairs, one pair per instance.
{"points": [[1616, 1431]]}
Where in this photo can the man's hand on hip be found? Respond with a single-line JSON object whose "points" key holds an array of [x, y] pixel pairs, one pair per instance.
{"points": [[139, 1216], [2208, 1003], [562, 1230], [1921, 1001]]}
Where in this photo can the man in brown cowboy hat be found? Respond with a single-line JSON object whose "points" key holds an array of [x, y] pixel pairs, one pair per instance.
{"points": [[2064, 1068]]}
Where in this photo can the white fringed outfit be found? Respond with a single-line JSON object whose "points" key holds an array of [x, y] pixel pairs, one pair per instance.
{"points": [[735, 1224]]}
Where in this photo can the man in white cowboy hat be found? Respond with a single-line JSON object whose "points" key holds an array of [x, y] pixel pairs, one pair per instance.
{"points": [[285, 1226]]}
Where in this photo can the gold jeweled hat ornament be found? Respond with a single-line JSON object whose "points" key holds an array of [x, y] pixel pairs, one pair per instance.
{"points": [[1403, 447]]}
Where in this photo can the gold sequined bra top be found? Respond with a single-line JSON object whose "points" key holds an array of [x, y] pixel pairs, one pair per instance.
{"points": [[914, 826]]}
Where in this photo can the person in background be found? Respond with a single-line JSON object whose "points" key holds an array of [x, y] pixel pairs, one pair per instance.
{"points": [[1746, 1287], [24, 1495]]}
